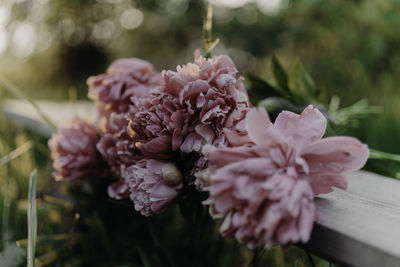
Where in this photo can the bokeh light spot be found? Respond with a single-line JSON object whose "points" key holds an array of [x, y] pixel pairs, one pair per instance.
{"points": [[131, 18]]}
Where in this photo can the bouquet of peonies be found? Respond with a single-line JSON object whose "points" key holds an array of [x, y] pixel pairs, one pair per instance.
{"points": [[158, 135]]}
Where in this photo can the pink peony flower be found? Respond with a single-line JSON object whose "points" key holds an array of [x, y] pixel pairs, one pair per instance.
{"points": [[73, 150], [212, 97], [264, 185], [124, 78], [153, 185], [115, 145], [118, 150], [157, 123]]}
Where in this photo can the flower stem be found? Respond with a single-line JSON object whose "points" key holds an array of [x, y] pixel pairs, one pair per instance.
{"points": [[207, 43], [376, 154]]}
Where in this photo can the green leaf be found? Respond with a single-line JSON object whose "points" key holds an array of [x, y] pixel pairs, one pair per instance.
{"points": [[277, 104], [143, 257], [280, 75], [310, 84], [300, 82], [32, 219], [360, 109], [259, 89], [334, 104], [50, 238]]}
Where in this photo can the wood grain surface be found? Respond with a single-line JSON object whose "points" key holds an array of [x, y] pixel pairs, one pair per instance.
{"points": [[360, 226]]}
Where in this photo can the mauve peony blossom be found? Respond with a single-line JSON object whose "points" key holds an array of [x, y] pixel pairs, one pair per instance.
{"points": [[115, 145], [264, 186], [118, 150], [153, 185], [74, 153], [124, 78], [212, 97], [112, 92], [157, 123]]}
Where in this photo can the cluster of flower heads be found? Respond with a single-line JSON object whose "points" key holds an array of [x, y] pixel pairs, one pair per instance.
{"points": [[261, 178]]}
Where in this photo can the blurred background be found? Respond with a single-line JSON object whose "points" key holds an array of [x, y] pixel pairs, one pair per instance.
{"points": [[49, 48], [350, 47]]}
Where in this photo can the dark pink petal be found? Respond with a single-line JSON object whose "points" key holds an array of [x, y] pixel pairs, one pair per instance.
{"points": [[157, 145]]}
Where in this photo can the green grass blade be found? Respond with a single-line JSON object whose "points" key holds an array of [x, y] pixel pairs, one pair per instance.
{"points": [[18, 93], [143, 257], [49, 239], [5, 219], [16, 153], [32, 220]]}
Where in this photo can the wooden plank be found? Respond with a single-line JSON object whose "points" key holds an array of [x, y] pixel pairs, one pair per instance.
{"points": [[22, 113], [359, 227]]}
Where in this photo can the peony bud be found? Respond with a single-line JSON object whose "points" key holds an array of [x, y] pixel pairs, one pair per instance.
{"points": [[171, 174]]}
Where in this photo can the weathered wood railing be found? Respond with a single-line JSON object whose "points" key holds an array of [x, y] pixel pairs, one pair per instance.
{"points": [[359, 227]]}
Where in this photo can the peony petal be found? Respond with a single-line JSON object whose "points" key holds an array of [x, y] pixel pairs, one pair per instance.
{"points": [[236, 138], [118, 190], [157, 145], [193, 142], [161, 191], [305, 128], [223, 156], [335, 155], [205, 131], [148, 190], [322, 183], [257, 123]]}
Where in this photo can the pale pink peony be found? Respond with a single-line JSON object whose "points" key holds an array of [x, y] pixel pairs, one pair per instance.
{"points": [[212, 97], [153, 185], [74, 153], [264, 185], [157, 123], [124, 78]]}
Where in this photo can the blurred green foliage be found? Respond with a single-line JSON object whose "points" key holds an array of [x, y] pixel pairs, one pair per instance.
{"points": [[349, 48]]}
